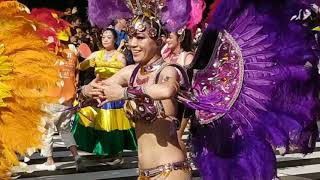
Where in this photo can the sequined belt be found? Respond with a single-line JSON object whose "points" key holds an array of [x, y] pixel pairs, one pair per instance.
{"points": [[167, 168]]}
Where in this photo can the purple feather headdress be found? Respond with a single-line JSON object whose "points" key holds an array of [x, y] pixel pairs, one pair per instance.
{"points": [[173, 14], [102, 12]]}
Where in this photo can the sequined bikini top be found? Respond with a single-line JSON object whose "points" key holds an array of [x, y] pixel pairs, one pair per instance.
{"points": [[145, 107]]}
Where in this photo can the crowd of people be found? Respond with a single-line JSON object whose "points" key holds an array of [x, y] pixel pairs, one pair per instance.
{"points": [[135, 83], [83, 32]]}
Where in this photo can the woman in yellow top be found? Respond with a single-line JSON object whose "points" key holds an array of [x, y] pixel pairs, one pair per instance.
{"points": [[105, 131]]}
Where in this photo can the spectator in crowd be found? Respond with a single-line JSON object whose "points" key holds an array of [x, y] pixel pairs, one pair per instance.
{"points": [[120, 25]]}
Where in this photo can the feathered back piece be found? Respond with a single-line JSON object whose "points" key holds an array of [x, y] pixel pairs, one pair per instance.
{"points": [[26, 74], [171, 14], [258, 93], [51, 27]]}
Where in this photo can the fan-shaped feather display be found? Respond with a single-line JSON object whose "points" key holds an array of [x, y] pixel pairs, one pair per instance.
{"points": [[256, 94], [27, 73]]}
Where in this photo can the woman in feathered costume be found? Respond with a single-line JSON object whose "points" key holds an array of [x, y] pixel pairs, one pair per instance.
{"points": [[257, 93], [27, 73]]}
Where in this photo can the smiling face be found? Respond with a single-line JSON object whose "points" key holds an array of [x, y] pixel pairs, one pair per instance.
{"points": [[143, 47], [108, 40], [144, 41], [172, 40]]}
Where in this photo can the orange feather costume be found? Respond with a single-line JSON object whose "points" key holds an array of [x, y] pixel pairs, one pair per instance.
{"points": [[27, 73]]}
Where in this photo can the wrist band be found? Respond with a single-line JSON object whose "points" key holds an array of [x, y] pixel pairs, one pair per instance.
{"points": [[83, 91]]}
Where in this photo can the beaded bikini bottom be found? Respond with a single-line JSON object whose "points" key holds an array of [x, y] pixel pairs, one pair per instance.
{"points": [[163, 171]]}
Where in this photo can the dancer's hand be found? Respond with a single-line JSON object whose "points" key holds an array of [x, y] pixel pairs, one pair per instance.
{"points": [[91, 91], [111, 92]]}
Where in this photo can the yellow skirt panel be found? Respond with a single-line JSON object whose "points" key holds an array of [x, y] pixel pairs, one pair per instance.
{"points": [[105, 119]]}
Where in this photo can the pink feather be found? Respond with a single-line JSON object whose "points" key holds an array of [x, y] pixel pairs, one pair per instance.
{"points": [[197, 8]]}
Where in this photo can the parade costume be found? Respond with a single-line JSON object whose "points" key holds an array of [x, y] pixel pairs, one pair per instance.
{"points": [[105, 131], [146, 111], [149, 111], [27, 73], [161, 172], [257, 93]]}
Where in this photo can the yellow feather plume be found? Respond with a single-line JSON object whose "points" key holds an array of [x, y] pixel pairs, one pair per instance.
{"points": [[27, 73]]}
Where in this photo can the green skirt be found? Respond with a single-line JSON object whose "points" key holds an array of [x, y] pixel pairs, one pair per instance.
{"points": [[104, 131]]}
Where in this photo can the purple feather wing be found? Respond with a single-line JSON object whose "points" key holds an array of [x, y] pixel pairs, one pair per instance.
{"points": [[257, 74]]}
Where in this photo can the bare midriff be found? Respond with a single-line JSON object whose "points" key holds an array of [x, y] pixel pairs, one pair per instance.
{"points": [[157, 142]]}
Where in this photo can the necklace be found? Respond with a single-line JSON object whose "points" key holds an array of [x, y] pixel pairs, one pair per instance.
{"points": [[146, 70], [151, 67], [142, 80]]}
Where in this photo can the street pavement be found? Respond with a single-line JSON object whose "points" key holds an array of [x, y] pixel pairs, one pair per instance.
{"points": [[292, 166]]}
